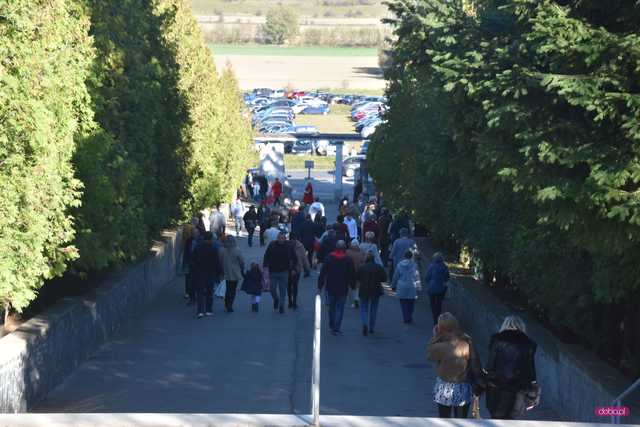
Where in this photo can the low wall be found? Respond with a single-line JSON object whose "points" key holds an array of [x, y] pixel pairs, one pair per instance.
{"points": [[44, 350], [573, 381]]}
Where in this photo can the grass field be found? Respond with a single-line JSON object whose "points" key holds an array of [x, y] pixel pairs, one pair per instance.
{"points": [[336, 122], [305, 8], [270, 50], [295, 162]]}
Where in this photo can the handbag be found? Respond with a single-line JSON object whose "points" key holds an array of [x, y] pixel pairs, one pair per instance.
{"points": [[221, 289], [526, 400]]}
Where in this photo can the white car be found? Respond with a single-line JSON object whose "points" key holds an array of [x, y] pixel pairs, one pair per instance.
{"points": [[368, 130], [278, 93]]}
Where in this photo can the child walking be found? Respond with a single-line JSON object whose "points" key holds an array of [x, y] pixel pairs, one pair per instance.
{"points": [[252, 285]]}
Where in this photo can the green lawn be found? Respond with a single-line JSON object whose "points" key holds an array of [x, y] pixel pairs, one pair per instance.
{"points": [[271, 50], [294, 162], [338, 121]]}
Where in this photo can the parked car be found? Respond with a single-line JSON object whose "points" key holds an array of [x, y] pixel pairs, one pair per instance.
{"points": [[350, 165], [278, 93], [365, 121], [324, 110], [307, 129], [295, 94], [302, 146], [325, 148], [368, 130], [283, 103]]}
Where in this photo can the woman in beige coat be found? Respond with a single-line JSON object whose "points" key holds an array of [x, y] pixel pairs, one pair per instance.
{"points": [[457, 367], [358, 257], [232, 264]]}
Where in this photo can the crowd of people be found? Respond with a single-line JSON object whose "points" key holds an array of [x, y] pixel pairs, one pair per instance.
{"points": [[365, 250]]}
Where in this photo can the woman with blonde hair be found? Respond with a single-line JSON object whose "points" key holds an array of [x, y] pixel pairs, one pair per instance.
{"points": [[511, 371], [457, 367]]}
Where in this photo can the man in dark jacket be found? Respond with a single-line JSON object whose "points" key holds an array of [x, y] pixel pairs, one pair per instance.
{"points": [[297, 219], [250, 220], [436, 280], [327, 245], [384, 221], [207, 271], [338, 275], [308, 237], [280, 259], [370, 277], [264, 219]]}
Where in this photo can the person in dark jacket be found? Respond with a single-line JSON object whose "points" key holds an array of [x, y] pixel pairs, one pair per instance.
{"points": [[370, 276], [327, 245], [264, 220], [250, 220], [207, 271], [252, 285], [190, 234], [436, 280], [401, 222], [338, 275], [308, 237], [342, 231], [511, 369], [384, 222], [319, 226], [297, 219], [280, 259]]}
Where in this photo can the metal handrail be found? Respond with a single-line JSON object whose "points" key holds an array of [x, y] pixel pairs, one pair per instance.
{"points": [[315, 368], [615, 419]]}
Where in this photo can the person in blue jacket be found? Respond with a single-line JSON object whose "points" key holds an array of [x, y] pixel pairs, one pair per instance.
{"points": [[436, 280]]}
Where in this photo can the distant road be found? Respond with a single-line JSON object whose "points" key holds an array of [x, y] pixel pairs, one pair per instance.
{"points": [[314, 22]]}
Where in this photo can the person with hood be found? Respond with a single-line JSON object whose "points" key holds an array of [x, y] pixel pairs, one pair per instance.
{"points": [[511, 371], [252, 285], [405, 283], [458, 368], [302, 266], [316, 208], [337, 275], [205, 264], [400, 247], [357, 257], [307, 199], [370, 246], [251, 220], [232, 263], [280, 259], [436, 280], [370, 278]]}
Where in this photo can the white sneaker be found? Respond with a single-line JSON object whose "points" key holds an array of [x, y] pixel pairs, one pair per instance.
{"points": [[208, 313], [200, 315]]}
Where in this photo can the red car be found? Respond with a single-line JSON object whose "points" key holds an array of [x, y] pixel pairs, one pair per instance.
{"points": [[295, 94]]}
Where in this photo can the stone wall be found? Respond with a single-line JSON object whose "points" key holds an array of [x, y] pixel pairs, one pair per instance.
{"points": [[573, 381], [44, 350]]}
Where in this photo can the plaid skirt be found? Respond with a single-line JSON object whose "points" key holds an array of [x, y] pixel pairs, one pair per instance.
{"points": [[451, 394]]}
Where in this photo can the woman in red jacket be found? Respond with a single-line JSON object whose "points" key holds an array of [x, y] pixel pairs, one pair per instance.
{"points": [[308, 194]]}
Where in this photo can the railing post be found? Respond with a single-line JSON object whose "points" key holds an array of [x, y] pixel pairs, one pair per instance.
{"points": [[315, 369]]}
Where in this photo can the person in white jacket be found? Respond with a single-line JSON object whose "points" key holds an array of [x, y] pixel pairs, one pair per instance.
{"points": [[237, 211], [352, 226], [316, 208]]}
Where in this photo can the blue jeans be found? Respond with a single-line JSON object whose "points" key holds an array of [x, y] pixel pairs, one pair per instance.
{"points": [[336, 311], [407, 309], [369, 311], [279, 283]]}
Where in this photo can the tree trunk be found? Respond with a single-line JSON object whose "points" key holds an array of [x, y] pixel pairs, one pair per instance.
{"points": [[6, 307]]}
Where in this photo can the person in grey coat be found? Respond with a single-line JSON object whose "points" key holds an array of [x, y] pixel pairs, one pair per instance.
{"points": [[406, 281], [399, 248], [232, 263]]}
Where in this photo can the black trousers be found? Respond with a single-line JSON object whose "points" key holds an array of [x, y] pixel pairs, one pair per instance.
{"points": [[250, 232], [204, 298], [436, 306], [188, 286], [453, 411], [263, 228], [292, 288], [230, 294]]}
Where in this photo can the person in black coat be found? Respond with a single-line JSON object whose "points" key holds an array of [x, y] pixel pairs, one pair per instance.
{"points": [[338, 275], [207, 270], [252, 285], [327, 245], [264, 220], [511, 369], [308, 237], [250, 220], [370, 277]]}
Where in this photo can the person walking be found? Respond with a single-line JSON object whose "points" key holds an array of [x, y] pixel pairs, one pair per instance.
{"points": [[302, 267], [264, 219], [237, 211], [511, 371], [370, 225], [276, 190], [337, 275], [190, 239], [357, 257], [403, 244], [232, 263], [308, 238], [252, 285], [327, 245], [406, 281], [280, 259], [308, 199], [370, 246], [271, 235], [264, 187], [352, 226], [384, 221], [370, 278], [250, 220], [436, 279], [316, 208], [297, 218], [207, 271], [218, 222], [458, 368], [400, 223], [342, 231]]}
